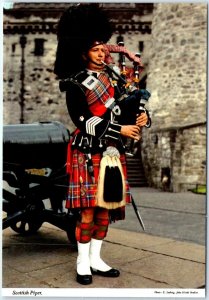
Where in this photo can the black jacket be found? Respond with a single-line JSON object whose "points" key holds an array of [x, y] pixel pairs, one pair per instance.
{"points": [[95, 132]]}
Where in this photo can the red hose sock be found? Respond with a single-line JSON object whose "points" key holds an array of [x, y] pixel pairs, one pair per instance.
{"points": [[100, 229], [83, 232]]}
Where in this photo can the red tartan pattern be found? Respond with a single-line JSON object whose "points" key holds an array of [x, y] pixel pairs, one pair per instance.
{"points": [[84, 232], [100, 229], [100, 89], [97, 97], [82, 192]]}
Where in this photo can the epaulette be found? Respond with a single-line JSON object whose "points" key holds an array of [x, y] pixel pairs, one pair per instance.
{"points": [[64, 84]]}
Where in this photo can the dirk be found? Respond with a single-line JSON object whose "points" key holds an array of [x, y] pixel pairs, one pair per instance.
{"points": [[137, 213]]}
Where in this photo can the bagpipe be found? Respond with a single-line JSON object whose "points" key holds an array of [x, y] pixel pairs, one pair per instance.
{"points": [[130, 99]]}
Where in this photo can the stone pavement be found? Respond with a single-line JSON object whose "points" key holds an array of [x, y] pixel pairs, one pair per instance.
{"points": [[180, 216], [46, 260]]}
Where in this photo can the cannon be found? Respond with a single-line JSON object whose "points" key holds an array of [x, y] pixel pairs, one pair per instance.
{"points": [[35, 179]]}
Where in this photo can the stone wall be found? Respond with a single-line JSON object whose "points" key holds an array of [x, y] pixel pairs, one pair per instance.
{"points": [[42, 99], [175, 54], [182, 151], [177, 81]]}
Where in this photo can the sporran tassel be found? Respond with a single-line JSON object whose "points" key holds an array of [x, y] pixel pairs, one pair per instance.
{"points": [[111, 182]]}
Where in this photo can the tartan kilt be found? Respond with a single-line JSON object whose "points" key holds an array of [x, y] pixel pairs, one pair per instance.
{"points": [[81, 191]]}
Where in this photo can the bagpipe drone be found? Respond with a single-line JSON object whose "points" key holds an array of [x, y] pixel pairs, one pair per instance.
{"points": [[130, 99]]}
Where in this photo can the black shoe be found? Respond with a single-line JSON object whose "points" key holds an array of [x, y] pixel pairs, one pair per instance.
{"points": [[109, 273], [84, 279]]}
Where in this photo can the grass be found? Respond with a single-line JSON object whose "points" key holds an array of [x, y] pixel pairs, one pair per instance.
{"points": [[200, 189]]}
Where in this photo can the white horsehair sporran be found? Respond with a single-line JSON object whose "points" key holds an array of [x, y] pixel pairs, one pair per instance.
{"points": [[111, 180]]}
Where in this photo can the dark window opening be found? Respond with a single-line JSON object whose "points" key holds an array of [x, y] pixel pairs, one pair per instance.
{"points": [[141, 46], [39, 47], [120, 39], [13, 48]]}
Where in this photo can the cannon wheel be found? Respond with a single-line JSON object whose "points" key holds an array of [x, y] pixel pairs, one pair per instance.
{"points": [[26, 227], [31, 222]]}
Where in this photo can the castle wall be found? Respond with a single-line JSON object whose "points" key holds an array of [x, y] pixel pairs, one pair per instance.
{"points": [[177, 81], [175, 58], [42, 99]]}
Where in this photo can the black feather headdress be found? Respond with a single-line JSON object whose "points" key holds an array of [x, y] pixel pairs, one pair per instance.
{"points": [[79, 27]]}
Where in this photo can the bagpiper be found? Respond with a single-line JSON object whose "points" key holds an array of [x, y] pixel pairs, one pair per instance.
{"points": [[96, 162]]}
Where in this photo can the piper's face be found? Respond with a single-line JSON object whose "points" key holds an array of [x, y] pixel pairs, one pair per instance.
{"points": [[95, 56]]}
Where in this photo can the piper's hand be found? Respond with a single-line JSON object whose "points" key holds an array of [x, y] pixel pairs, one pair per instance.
{"points": [[142, 120], [131, 131]]}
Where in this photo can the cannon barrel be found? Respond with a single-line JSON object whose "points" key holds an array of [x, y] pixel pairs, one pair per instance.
{"points": [[36, 145]]}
